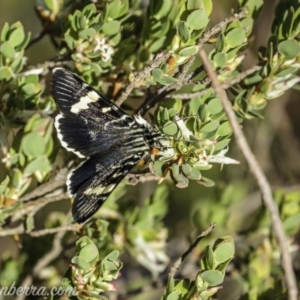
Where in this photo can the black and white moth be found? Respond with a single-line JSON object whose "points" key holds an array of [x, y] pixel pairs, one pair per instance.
{"points": [[110, 141]]}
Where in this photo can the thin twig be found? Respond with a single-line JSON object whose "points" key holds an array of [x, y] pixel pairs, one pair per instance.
{"points": [[178, 262], [141, 75], [227, 84], [58, 181], [38, 203], [64, 228], [21, 230], [261, 179]]}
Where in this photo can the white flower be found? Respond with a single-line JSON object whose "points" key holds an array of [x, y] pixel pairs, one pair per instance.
{"points": [[206, 160], [221, 159], [105, 49]]}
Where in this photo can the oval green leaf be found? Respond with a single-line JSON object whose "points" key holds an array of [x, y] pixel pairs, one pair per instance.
{"points": [[17, 36], [214, 106], [5, 73], [210, 127], [197, 20], [89, 253], [289, 48], [235, 37], [81, 263], [170, 128], [111, 28], [221, 145], [183, 31], [212, 277], [224, 251], [188, 51], [224, 129], [37, 164], [7, 50], [33, 144]]}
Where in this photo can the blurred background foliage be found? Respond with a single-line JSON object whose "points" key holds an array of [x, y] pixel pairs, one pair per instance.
{"points": [[142, 228]]}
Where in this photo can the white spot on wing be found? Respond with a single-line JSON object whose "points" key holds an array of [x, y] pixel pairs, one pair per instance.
{"points": [[100, 189], [105, 109], [84, 101]]}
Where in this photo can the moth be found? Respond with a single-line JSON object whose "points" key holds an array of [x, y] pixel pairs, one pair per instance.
{"points": [[110, 141]]}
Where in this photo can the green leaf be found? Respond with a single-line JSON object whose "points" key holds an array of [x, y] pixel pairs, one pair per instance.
{"points": [[220, 59], [174, 295], [170, 128], [183, 31], [235, 37], [198, 19], [28, 89], [5, 74], [291, 224], [214, 106], [212, 277], [157, 168], [89, 253], [69, 39], [194, 4], [29, 223], [89, 10], [123, 8], [17, 36], [224, 129], [289, 48], [157, 44], [38, 164], [287, 72], [188, 51], [162, 8], [157, 74], [16, 178], [209, 258], [247, 25], [7, 50], [208, 6], [221, 145], [112, 9], [18, 62], [4, 32], [114, 255], [203, 112], [111, 28], [224, 250], [167, 80], [210, 127], [87, 33], [81, 263], [33, 144], [190, 172], [82, 22], [3, 185], [183, 285], [82, 242]]}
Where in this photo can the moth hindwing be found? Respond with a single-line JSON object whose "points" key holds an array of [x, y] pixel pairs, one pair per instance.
{"points": [[110, 141]]}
